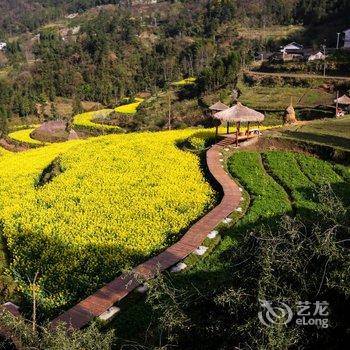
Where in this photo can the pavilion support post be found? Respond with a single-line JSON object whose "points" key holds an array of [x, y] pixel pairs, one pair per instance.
{"points": [[248, 128], [237, 130], [216, 133], [337, 105], [228, 128]]}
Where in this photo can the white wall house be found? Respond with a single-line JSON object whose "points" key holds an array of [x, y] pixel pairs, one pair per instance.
{"points": [[2, 46], [347, 39]]}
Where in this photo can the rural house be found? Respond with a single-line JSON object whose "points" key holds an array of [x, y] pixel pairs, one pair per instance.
{"points": [[292, 51], [2, 46]]}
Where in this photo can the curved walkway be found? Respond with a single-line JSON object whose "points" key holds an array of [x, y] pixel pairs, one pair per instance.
{"points": [[81, 314]]}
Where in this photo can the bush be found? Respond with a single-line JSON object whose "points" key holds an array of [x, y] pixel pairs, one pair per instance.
{"points": [[201, 140], [46, 338]]}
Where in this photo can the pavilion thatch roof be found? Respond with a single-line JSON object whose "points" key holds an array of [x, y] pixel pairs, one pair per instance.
{"points": [[218, 106], [344, 100], [240, 113]]}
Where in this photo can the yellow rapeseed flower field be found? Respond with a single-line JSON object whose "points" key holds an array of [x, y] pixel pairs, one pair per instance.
{"points": [[85, 121], [184, 82], [130, 108], [118, 200], [24, 136]]}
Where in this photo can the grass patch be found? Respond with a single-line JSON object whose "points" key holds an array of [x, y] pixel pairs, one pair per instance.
{"points": [[343, 171], [275, 32], [328, 132]]}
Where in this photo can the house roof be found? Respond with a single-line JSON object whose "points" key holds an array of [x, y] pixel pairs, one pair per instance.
{"points": [[294, 44], [343, 100], [218, 106], [239, 113]]}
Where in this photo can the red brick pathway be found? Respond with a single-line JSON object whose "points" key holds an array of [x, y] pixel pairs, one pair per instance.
{"points": [[84, 312]]}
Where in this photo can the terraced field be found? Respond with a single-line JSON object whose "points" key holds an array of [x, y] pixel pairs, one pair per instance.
{"points": [[85, 121], [327, 132], [23, 136], [114, 201]]}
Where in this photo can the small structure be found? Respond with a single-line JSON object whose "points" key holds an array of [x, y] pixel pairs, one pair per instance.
{"points": [[346, 39], [289, 115], [239, 114], [2, 46], [343, 100], [292, 46], [218, 107], [292, 51], [72, 16], [317, 56]]}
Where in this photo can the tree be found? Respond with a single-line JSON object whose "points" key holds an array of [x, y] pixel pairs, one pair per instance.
{"points": [[54, 112], [3, 122], [77, 107]]}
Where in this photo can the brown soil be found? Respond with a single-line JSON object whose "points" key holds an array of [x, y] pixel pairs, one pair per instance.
{"points": [[273, 144], [12, 147]]}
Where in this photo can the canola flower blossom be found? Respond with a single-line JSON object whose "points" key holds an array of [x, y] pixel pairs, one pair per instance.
{"points": [[85, 121], [23, 136], [4, 151], [130, 108], [118, 200], [184, 82]]}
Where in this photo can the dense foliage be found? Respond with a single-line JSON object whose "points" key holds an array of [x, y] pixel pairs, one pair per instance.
{"points": [[116, 201]]}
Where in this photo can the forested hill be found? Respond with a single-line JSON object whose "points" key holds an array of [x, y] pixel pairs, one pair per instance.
{"points": [[123, 48], [24, 15]]}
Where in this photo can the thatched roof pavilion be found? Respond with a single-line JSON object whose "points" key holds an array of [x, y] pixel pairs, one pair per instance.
{"points": [[344, 100], [239, 114], [218, 107]]}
